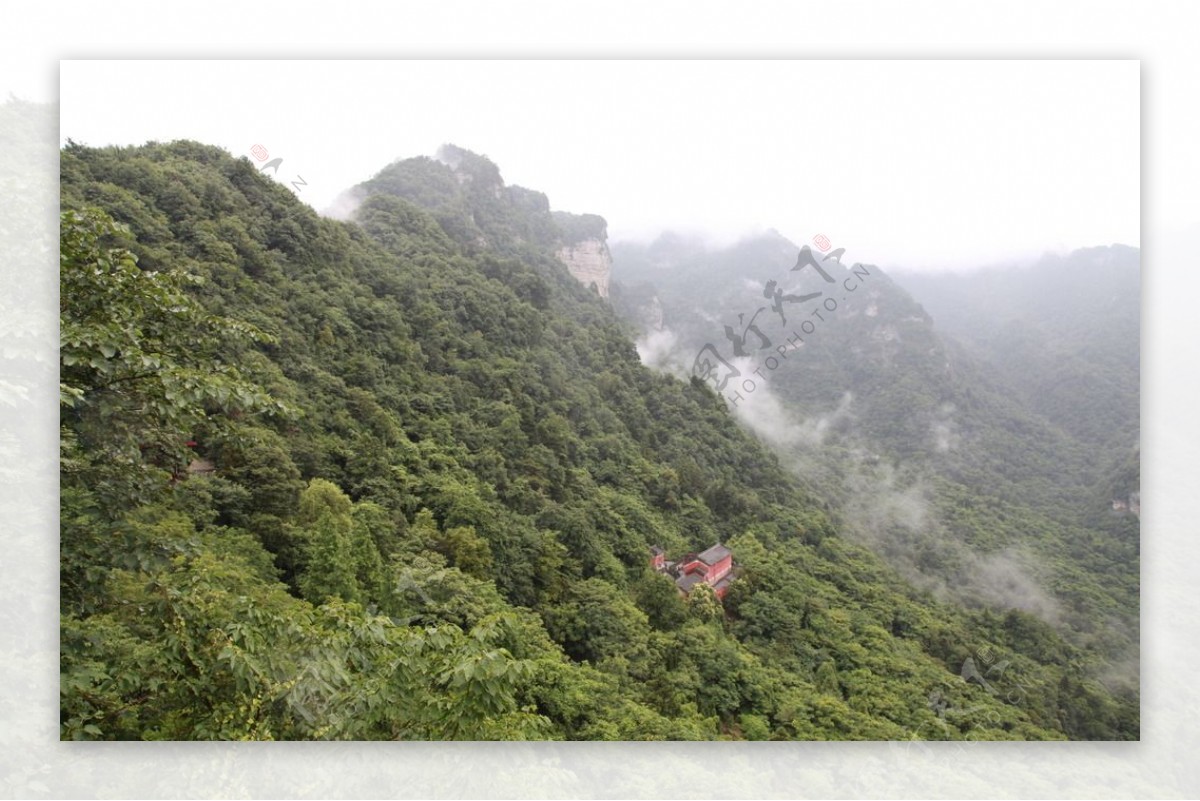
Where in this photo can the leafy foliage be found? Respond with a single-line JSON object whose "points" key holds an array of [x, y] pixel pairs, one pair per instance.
{"points": [[141, 361]]}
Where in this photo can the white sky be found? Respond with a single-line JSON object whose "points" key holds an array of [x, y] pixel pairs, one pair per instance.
{"points": [[923, 164]]}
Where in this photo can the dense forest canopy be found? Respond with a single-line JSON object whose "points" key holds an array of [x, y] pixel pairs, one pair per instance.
{"points": [[398, 478]]}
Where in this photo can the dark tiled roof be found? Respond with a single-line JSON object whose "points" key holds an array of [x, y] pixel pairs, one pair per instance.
{"points": [[654, 549], [714, 554], [689, 581]]}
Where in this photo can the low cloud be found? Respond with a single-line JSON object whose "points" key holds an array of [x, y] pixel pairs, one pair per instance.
{"points": [[656, 348], [945, 429], [343, 206]]}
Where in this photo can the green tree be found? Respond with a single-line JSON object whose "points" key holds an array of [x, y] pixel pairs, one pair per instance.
{"points": [[466, 550], [659, 598], [703, 604], [330, 568], [141, 364], [598, 622]]}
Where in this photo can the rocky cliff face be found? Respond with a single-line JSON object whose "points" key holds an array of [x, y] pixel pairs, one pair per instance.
{"points": [[583, 240], [590, 262]]}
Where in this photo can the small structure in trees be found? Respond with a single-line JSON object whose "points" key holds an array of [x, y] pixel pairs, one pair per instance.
{"points": [[658, 558], [713, 567]]}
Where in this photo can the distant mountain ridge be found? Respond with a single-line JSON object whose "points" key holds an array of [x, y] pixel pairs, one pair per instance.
{"points": [[1064, 331]]}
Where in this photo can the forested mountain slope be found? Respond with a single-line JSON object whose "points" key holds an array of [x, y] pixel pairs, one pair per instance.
{"points": [[930, 449], [398, 478], [1064, 334]]}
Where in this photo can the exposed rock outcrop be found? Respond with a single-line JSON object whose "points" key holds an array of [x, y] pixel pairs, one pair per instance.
{"points": [[584, 249], [590, 262]]}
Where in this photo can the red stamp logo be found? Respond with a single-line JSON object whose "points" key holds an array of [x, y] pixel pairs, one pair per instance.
{"points": [[822, 242], [259, 152]]}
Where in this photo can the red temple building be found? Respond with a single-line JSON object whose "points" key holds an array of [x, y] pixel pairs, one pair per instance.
{"points": [[713, 567]]}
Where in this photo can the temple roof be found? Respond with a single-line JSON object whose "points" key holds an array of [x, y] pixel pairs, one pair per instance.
{"points": [[714, 554]]}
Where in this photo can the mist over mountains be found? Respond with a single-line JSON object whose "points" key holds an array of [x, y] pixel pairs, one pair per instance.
{"points": [[979, 429], [399, 477], [1063, 331]]}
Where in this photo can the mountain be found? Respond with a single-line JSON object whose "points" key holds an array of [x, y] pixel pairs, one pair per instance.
{"points": [[399, 477], [981, 458], [1064, 332]]}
